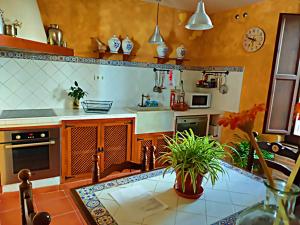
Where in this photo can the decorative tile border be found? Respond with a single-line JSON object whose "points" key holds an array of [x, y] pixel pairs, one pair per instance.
{"points": [[241, 171], [76, 59], [103, 217]]}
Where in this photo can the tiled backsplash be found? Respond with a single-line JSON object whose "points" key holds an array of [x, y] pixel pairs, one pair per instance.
{"points": [[26, 84]]}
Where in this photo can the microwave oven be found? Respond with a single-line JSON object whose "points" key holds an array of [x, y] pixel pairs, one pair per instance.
{"points": [[198, 100]]}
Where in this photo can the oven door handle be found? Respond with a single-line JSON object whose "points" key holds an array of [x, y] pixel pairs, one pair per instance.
{"points": [[52, 142]]}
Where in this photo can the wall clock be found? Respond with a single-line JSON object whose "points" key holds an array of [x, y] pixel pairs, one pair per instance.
{"points": [[254, 39]]}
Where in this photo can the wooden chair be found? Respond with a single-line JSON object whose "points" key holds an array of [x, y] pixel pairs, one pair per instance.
{"points": [[127, 165], [29, 216], [279, 149]]}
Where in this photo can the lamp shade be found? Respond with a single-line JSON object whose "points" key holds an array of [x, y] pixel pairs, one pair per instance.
{"points": [[156, 37], [199, 20]]}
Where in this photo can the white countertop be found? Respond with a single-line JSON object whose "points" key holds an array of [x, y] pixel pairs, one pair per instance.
{"points": [[71, 114], [65, 114]]}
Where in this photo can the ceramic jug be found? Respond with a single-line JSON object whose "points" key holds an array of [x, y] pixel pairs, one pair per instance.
{"points": [[162, 50], [114, 44], [127, 46], [180, 52]]}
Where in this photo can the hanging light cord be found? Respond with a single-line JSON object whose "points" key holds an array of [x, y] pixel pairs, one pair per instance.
{"points": [[157, 12]]}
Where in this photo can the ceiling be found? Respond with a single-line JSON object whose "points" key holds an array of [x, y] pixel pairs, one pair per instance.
{"points": [[212, 6]]}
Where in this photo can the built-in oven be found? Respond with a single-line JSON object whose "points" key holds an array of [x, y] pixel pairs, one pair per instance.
{"points": [[198, 124], [36, 150]]}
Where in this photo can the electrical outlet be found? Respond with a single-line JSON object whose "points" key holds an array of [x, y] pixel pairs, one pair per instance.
{"points": [[97, 77]]}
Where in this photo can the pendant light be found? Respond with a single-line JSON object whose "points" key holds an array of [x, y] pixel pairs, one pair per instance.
{"points": [[156, 37], [199, 20]]}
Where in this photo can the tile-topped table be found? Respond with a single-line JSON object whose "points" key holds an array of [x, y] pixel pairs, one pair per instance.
{"points": [[218, 205]]}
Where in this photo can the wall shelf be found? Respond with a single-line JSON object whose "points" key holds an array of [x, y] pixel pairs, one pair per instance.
{"points": [[20, 44], [125, 57], [165, 60]]}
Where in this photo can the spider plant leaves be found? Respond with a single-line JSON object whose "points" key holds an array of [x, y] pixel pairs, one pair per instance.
{"points": [[190, 155]]}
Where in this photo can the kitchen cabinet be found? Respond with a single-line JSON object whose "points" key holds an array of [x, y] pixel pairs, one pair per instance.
{"points": [[81, 139], [150, 139]]}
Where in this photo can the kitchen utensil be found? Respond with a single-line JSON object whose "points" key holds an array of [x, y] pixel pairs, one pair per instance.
{"points": [[55, 35], [162, 80], [12, 29], [224, 88], [172, 98], [156, 83], [1, 22], [92, 106], [180, 106]]}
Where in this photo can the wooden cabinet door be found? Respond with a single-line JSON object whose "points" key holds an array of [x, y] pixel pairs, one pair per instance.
{"points": [[116, 143], [155, 139], [81, 142], [285, 77]]}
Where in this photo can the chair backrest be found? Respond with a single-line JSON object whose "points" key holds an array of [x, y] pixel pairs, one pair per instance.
{"points": [[29, 216], [279, 149], [127, 165]]}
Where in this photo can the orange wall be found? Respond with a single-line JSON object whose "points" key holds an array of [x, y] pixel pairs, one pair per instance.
{"points": [[81, 19], [223, 46]]}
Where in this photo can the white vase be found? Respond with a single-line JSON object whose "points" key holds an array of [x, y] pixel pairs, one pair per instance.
{"points": [[127, 46], [162, 50], [114, 44], [180, 52]]}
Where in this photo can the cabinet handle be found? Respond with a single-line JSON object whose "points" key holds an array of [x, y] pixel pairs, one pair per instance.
{"points": [[100, 150], [69, 126], [140, 139]]}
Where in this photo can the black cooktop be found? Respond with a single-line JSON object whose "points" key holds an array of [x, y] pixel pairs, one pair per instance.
{"points": [[27, 113]]}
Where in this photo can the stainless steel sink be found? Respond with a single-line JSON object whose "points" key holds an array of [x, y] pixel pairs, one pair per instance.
{"points": [[147, 109]]}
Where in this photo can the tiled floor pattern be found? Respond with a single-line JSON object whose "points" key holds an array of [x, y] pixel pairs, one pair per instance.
{"points": [[215, 204], [56, 200], [230, 194]]}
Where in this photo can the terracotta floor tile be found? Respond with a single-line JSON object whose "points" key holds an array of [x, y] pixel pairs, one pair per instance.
{"points": [[9, 201], [66, 219], [69, 185], [45, 189], [49, 196], [81, 218], [56, 207], [12, 217]]}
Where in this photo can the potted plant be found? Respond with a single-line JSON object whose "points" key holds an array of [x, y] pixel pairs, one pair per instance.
{"points": [[192, 157], [77, 93]]}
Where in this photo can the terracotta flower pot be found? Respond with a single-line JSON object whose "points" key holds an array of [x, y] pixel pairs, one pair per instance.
{"points": [[189, 191]]}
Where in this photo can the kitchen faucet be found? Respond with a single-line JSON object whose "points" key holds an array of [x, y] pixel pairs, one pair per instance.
{"points": [[144, 96]]}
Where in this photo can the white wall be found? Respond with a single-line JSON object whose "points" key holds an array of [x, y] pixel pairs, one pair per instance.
{"points": [[27, 12], [229, 102], [26, 84]]}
